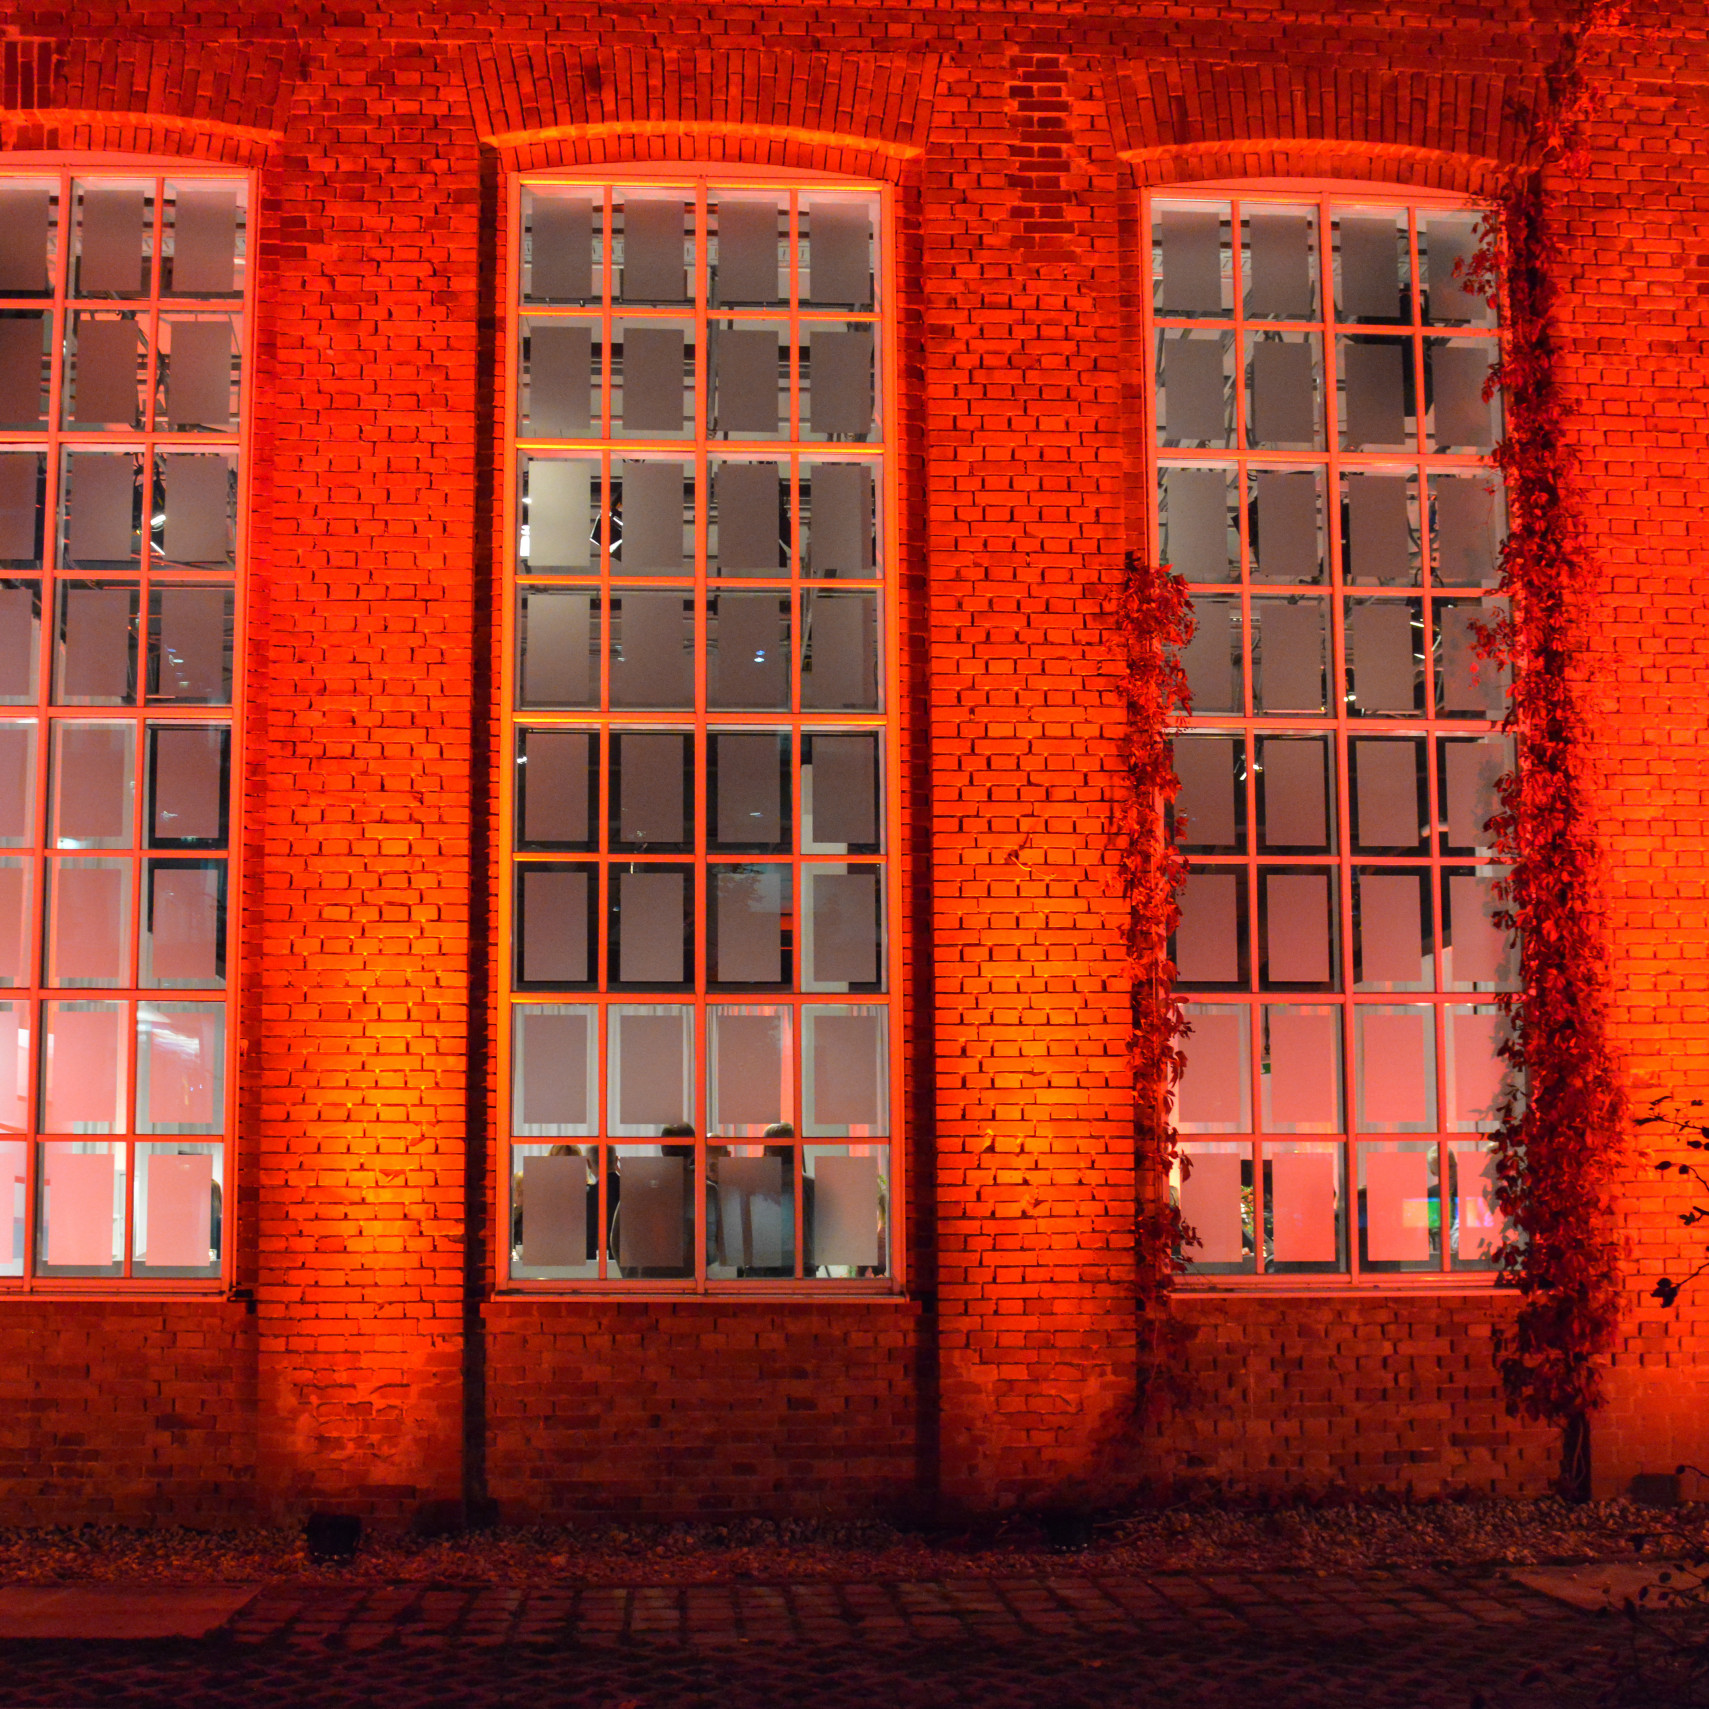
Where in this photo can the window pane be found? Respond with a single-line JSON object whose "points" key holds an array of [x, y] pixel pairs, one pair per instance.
{"points": [[749, 941], [188, 773], [14, 1168], [559, 641], [112, 242], [840, 778], [24, 238], [1286, 525], [751, 1077], [1384, 663], [1470, 771], [23, 369], [839, 651], [651, 927], [1209, 814], [1374, 267], [560, 380], [652, 388], [1195, 403], [750, 1211], [102, 502], [552, 1067], [183, 926], [1476, 1228], [652, 234], [837, 392], [1478, 1078], [560, 502], [1212, 658], [1210, 941], [650, 789], [81, 1227], [1302, 1069], [554, 925], [750, 244], [89, 923], [17, 782], [747, 652], [17, 1071], [650, 1069], [180, 1200], [655, 502], [1199, 531], [1396, 1069], [554, 1201], [92, 785], [1400, 1211], [750, 380], [1461, 417], [1381, 544], [846, 1191], [20, 635], [1389, 810], [1214, 1093], [1392, 949], [840, 517], [1470, 684], [652, 650], [558, 265], [844, 922], [97, 651], [1469, 515], [1297, 912], [1283, 375], [1478, 952], [1192, 248], [652, 1215], [1282, 264], [83, 1089], [16, 919], [197, 501], [748, 791], [1214, 1197], [180, 1071], [202, 239], [198, 362], [557, 784], [837, 252], [1293, 794], [1447, 244], [845, 1073], [1302, 1206], [191, 633], [105, 371], [23, 501], [749, 528], [1375, 393], [1288, 654]]}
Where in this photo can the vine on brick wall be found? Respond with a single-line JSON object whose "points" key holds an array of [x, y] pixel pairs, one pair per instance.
{"points": [[1561, 1126], [1155, 620]]}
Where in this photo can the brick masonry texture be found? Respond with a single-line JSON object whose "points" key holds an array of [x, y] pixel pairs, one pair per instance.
{"points": [[374, 1371]]}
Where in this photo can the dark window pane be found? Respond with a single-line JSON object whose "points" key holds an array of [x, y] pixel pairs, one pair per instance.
{"points": [[748, 501], [1388, 789], [745, 370], [650, 927], [1199, 541], [1293, 794], [183, 926], [1284, 282], [553, 1056], [23, 493], [1286, 539], [839, 260], [18, 781], [1380, 545], [23, 241], [556, 781], [650, 788], [559, 514], [1191, 242], [1374, 401], [104, 389], [655, 396], [92, 785], [110, 244], [746, 269], [1284, 393], [554, 906], [1208, 940], [20, 623], [1212, 799], [190, 645], [657, 498], [103, 505], [23, 380], [188, 785], [1289, 654]]}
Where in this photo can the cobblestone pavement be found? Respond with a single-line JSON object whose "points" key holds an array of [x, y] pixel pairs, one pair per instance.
{"points": [[1188, 1641]]}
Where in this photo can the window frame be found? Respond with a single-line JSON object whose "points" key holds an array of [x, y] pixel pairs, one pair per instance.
{"points": [[695, 178], [54, 440], [1250, 725]]}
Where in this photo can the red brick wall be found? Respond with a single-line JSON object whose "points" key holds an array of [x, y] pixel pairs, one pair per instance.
{"points": [[1017, 139]]}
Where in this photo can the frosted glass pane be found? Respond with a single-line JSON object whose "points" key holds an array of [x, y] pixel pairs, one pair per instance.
{"points": [[204, 247], [1481, 951], [1302, 1086], [1210, 1205], [845, 1211], [1385, 796], [650, 927], [1391, 944], [1474, 1041], [839, 535], [1396, 1050], [747, 251], [844, 1071], [92, 784], [1297, 933], [110, 242], [1477, 1220], [1211, 659], [653, 382], [1294, 804], [840, 252], [838, 383], [1207, 941], [181, 1070], [1375, 399], [555, 1215], [562, 247], [1281, 249], [1447, 243], [747, 662], [20, 508], [84, 1090], [652, 1213], [1470, 773], [1302, 1207], [1397, 1206], [748, 783], [17, 782], [1284, 403], [22, 370], [748, 904], [1192, 408], [653, 535], [554, 1051], [749, 518], [1212, 1092], [181, 925], [98, 651], [18, 639], [839, 667], [89, 924], [650, 787], [1461, 415], [557, 643], [80, 1213], [652, 650], [1192, 261], [187, 795], [553, 935], [1372, 260], [555, 798], [845, 790], [1290, 648], [651, 1069], [746, 379], [1379, 546], [748, 1070], [843, 928], [1468, 512], [754, 1212], [1470, 683], [23, 241], [177, 1227], [104, 374], [198, 526], [1195, 525], [560, 380], [653, 247], [1284, 529], [101, 508], [198, 373], [16, 1060], [1380, 656], [1205, 766], [560, 514], [14, 934]]}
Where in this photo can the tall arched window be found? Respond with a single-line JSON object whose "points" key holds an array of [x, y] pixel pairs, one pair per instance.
{"points": [[699, 806], [1321, 438]]}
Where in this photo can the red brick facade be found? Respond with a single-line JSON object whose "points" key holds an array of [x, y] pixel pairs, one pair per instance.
{"points": [[367, 1361]]}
